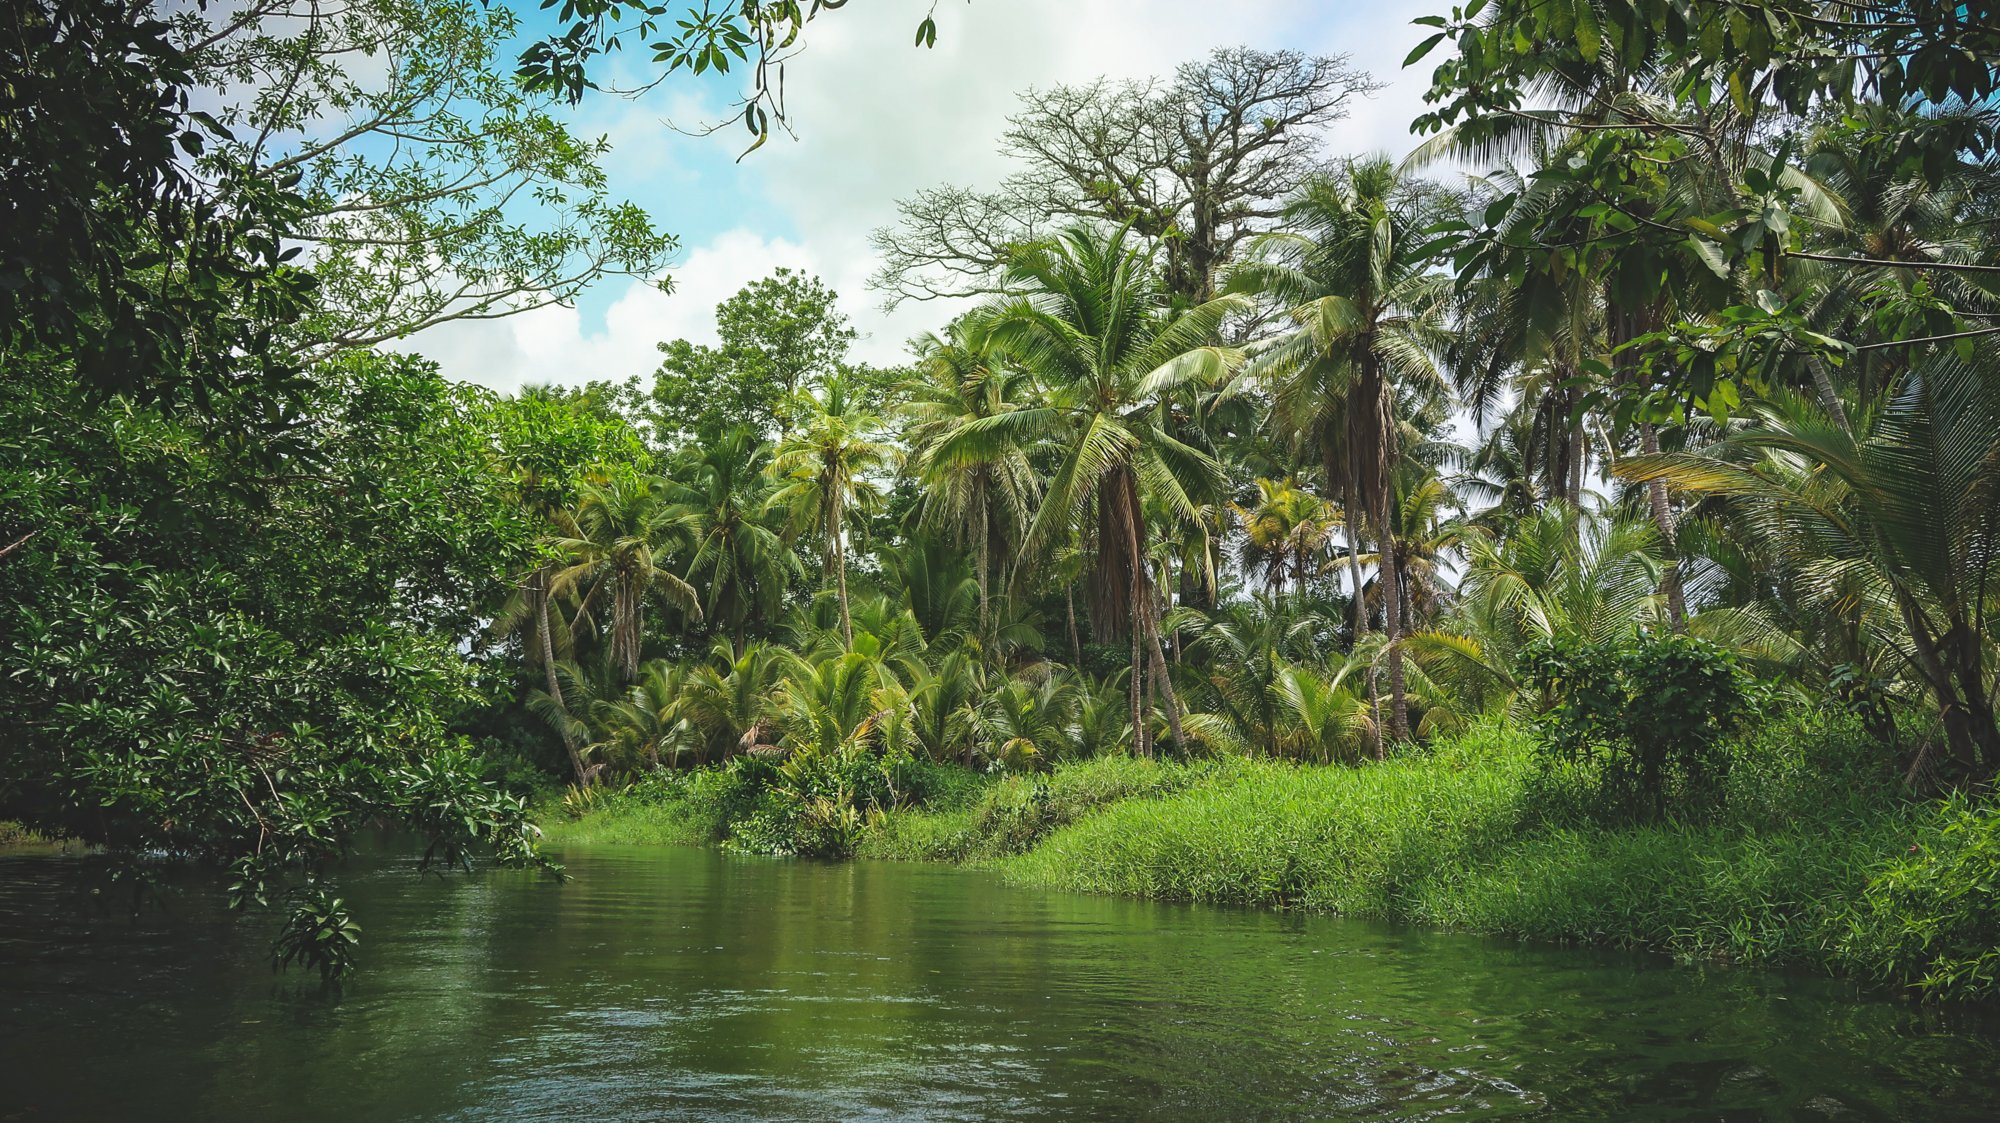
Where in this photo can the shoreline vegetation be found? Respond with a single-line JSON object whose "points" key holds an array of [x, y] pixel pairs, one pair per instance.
{"points": [[1813, 858]]}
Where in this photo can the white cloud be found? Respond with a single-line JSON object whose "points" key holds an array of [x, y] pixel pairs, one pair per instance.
{"points": [[877, 120], [554, 345]]}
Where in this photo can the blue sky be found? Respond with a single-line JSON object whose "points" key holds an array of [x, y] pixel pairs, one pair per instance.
{"points": [[878, 119]]}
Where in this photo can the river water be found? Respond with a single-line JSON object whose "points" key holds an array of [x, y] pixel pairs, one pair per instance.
{"points": [[677, 984]]}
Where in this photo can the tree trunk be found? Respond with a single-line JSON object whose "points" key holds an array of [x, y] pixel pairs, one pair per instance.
{"points": [[1577, 447], [1389, 574], [1663, 518], [1361, 613], [985, 532], [1134, 696], [541, 595], [1075, 643], [1145, 606], [839, 564]]}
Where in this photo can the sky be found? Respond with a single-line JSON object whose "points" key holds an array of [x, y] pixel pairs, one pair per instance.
{"points": [[877, 119]]}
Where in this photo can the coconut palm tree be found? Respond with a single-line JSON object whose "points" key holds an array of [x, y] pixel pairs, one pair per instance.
{"points": [[624, 534], [828, 467], [1907, 498], [1559, 573], [1095, 327], [1368, 312], [1287, 535], [983, 494], [740, 561]]}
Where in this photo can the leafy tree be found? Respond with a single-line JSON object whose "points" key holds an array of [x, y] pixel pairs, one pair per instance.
{"points": [[1651, 714], [430, 186], [247, 655], [780, 335], [117, 259]]}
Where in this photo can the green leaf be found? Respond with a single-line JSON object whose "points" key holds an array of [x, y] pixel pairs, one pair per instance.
{"points": [[1589, 36], [1423, 49]]}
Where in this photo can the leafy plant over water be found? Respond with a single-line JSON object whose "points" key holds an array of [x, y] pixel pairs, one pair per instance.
{"points": [[319, 934]]}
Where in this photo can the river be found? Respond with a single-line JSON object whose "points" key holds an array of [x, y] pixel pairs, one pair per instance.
{"points": [[680, 984]]}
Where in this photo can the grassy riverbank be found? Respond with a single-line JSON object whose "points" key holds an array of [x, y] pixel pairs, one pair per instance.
{"points": [[1813, 859]]}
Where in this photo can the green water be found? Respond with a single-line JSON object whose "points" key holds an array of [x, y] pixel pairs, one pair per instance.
{"points": [[682, 984]]}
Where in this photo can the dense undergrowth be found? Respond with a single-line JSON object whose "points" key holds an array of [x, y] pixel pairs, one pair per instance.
{"points": [[1811, 855]]}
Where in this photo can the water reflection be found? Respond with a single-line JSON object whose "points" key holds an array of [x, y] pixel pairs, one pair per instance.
{"points": [[682, 984]]}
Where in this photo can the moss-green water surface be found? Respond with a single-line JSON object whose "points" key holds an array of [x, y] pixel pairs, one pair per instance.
{"points": [[680, 983]]}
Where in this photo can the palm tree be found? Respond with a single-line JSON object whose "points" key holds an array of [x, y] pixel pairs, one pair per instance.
{"points": [[1095, 328], [1287, 535], [1355, 278], [623, 530], [740, 561], [1245, 646], [1558, 573], [1907, 498], [985, 494], [826, 467]]}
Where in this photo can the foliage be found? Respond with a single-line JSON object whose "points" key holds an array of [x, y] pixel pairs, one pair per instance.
{"points": [[698, 41], [780, 336], [1649, 716], [247, 663], [320, 934], [117, 260], [1931, 916]]}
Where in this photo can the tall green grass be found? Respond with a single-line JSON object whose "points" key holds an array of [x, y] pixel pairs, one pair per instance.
{"points": [[1814, 858]]}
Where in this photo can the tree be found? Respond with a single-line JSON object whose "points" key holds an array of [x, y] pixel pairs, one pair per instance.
{"points": [[117, 260], [825, 469], [247, 656], [430, 187], [624, 533], [1287, 536], [1354, 277], [779, 335], [1195, 166], [1907, 498], [1099, 334], [984, 496], [741, 566]]}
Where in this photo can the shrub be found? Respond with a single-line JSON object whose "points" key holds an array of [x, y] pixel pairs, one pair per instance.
{"points": [[1648, 718], [1933, 916]]}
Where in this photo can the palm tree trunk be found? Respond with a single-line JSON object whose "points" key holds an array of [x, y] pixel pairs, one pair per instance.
{"points": [[1389, 573], [1577, 448], [1145, 605], [1663, 518], [1136, 668], [985, 532], [1167, 694], [838, 563], [540, 591], [1361, 611], [1075, 643]]}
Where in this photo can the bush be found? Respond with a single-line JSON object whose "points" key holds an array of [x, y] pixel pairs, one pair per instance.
{"points": [[1647, 719], [1933, 916]]}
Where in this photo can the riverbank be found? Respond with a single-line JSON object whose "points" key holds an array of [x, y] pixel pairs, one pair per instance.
{"points": [[1814, 859]]}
